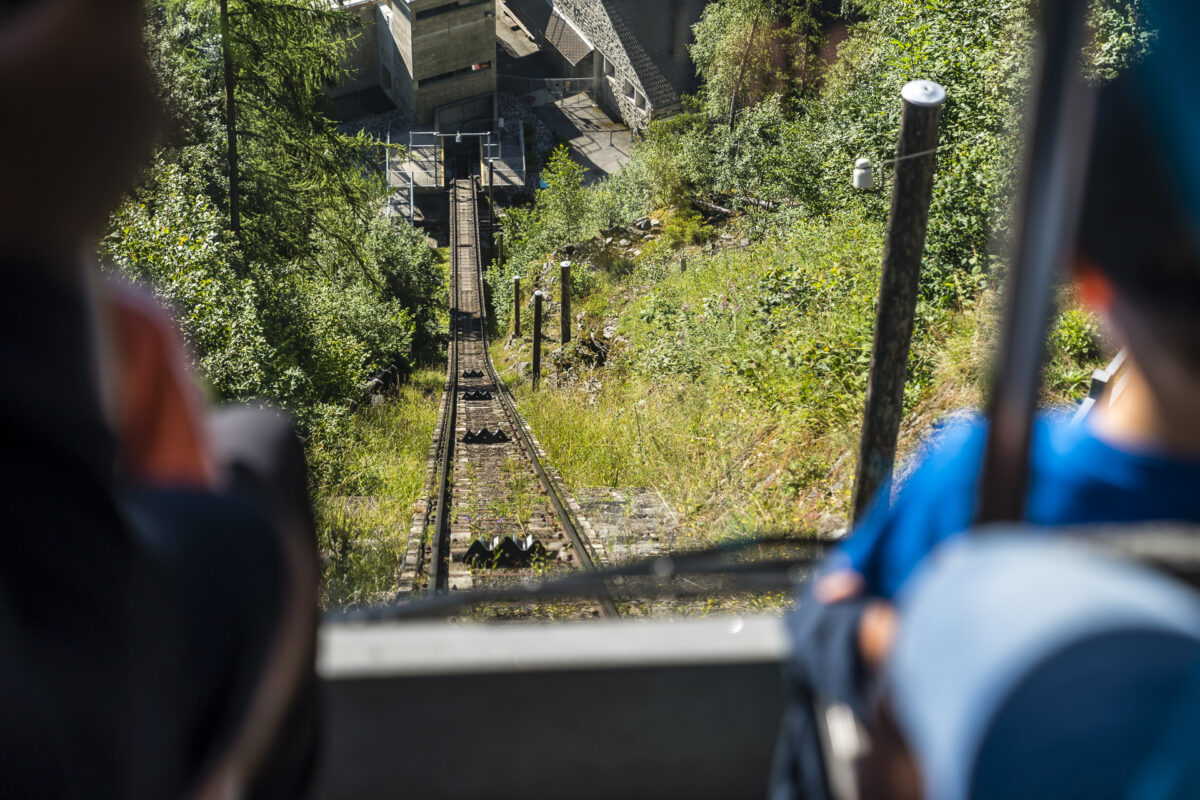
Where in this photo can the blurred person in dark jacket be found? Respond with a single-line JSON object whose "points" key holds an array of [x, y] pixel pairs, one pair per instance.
{"points": [[157, 570]]}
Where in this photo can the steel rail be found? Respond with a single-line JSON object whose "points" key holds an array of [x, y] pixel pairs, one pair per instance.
{"points": [[437, 575], [438, 567], [587, 557]]}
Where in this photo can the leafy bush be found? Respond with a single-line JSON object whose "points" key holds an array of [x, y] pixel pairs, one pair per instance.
{"points": [[685, 226], [1077, 335], [795, 140]]}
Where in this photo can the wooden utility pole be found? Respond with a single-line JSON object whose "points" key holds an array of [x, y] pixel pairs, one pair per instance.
{"points": [[896, 308], [235, 201], [564, 275]]}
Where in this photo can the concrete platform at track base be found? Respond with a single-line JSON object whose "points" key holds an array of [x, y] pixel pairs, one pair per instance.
{"points": [[630, 709]]}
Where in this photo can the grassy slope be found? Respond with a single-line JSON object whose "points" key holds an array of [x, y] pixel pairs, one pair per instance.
{"points": [[367, 480], [735, 388], [365, 508], [732, 388]]}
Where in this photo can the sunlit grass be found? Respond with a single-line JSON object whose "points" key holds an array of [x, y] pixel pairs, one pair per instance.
{"points": [[735, 388], [364, 514]]}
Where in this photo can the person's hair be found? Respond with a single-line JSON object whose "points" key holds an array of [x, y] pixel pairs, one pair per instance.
{"points": [[1135, 225]]}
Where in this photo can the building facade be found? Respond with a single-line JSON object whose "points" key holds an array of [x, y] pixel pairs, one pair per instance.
{"points": [[430, 57], [633, 52]]}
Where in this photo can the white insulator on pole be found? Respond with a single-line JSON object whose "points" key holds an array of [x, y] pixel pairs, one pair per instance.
{"points": [[864, 178]]}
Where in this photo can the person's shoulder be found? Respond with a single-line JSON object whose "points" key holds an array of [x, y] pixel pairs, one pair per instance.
{"points": [[950, 455], [935, 501], [1080, 476]]}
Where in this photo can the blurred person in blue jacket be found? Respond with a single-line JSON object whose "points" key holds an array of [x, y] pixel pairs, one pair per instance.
{"points": [[1137, 265]]}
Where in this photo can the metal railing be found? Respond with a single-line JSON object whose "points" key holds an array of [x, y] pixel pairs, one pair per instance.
{"points": [[1102, 379]]}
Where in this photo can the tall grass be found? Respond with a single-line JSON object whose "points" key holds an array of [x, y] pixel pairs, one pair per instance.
{"points": [[735, 388], [375, 475]]}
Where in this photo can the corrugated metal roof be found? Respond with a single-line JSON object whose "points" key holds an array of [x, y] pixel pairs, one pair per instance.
{"points": [[534, 14], [567, 39]]}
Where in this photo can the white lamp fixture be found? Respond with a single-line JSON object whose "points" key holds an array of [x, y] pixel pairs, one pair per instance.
{"points": [[864, 178]]}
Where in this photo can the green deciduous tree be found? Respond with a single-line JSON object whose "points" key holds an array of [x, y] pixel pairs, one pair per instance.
{"points": [[746, 50], [318, 290], [563, 202]]}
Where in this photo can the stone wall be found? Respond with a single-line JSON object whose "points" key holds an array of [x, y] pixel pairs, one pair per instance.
{"points": [[590, 17]]}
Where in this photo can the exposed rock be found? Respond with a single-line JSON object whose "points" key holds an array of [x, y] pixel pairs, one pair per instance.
{"points": [[831, 526], [642, 223], [623, 243], [609, 331]]}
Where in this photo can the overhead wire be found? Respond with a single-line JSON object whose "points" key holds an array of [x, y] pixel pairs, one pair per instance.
{"points": [[760, 575]]}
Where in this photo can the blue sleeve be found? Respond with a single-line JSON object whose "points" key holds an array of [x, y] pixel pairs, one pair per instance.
{"points": [[936, 503]]}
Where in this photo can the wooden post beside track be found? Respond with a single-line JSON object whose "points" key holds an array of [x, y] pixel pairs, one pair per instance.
{"points": [[564, 274], [903, 249], [516, 305], [537, 337]]}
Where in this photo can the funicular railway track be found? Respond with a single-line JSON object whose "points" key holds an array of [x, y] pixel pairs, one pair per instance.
{"points": [[494, 517]]}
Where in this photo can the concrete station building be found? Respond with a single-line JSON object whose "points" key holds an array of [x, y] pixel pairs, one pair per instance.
{"points": [[434, 59]]}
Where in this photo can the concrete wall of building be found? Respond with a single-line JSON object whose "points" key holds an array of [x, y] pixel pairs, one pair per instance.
{"points": [[610, 89], [446, 43], [472, 115], [362, 57], [396, 53]]}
